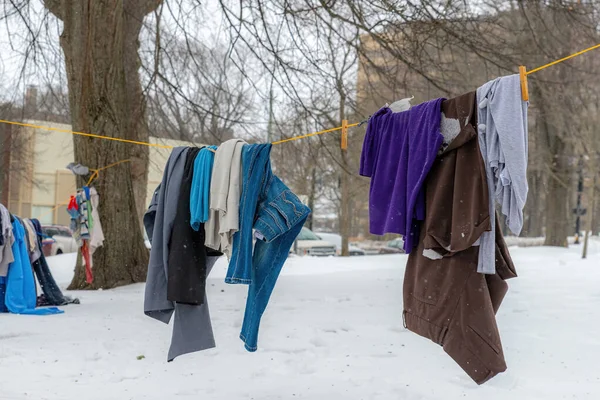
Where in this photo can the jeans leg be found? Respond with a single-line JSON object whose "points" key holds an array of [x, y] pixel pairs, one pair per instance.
{"points": [[267, 261]]}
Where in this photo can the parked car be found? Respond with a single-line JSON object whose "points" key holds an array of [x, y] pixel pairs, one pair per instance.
{"points": [[337, 241], [309, 244], [395, 246], [58, 240]]}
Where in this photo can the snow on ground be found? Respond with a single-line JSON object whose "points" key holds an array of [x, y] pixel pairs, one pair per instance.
{"points": [[333, 330]]}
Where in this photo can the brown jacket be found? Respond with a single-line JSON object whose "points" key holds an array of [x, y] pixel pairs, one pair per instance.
{"points": [[446, 300]]}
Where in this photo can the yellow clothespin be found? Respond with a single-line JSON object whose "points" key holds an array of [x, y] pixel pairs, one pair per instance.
{"points": [[344, 143], [524, 88]]}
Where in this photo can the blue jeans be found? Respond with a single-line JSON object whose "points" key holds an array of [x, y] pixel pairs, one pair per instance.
{"points": [[268, 206]]}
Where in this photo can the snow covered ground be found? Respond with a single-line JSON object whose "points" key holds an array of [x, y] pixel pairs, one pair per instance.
{"points": [[333, 330]]}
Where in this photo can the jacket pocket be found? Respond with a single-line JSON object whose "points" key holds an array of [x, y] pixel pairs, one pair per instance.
{"points": [[279, 215], [481, 342]]}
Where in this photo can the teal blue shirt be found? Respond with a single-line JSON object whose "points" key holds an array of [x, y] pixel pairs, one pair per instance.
{"points": [[200, 192]]}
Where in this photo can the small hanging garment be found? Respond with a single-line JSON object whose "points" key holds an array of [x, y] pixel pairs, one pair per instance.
{"points": [[87, 259], [82, 224], [78, 169], [398, 151], [73, 210], [85, 221], [97, 234]]}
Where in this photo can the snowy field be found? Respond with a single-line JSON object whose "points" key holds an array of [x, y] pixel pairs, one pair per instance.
{"points": [[333, 330]]}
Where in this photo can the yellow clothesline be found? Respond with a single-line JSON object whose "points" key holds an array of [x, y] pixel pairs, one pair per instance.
{"points": [[524, 73], [162, 146], [95, 171], [525, 93]]}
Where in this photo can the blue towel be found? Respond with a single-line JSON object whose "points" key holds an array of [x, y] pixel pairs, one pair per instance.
{"points": [[20, 284], [200, 192]]}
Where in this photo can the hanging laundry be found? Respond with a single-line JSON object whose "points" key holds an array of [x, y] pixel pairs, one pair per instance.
{"points": [[6, 230], [20, 285], [52, 294], [82, 214], [87, 261], [400, 105], [225, 187], [78, 169], [73, 210], [200, 193], [279, 216], [504, 144], [268, 206], [445, 299], [85, 215], [186, 264], [35, 250], [192, 329], [3, 308], [398, 151], [462, 226], [97, 234], [30, 236]]}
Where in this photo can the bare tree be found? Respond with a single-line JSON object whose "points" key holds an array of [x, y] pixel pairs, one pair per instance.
{"points": [[100, 42], [200, 96]]}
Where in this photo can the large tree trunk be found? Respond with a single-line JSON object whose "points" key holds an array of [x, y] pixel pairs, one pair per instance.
{"points": [[557, 209], [556, 153], [100, 43]]}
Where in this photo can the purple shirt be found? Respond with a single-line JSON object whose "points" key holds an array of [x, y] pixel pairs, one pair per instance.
{"points": [[398, 152]]}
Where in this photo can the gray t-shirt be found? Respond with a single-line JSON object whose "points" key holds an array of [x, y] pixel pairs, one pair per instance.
{"points": [[502, 128]]}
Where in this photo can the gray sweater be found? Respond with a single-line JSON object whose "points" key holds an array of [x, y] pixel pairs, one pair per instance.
{"points": [[502, 128], [225, 189], [192, 329]]}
